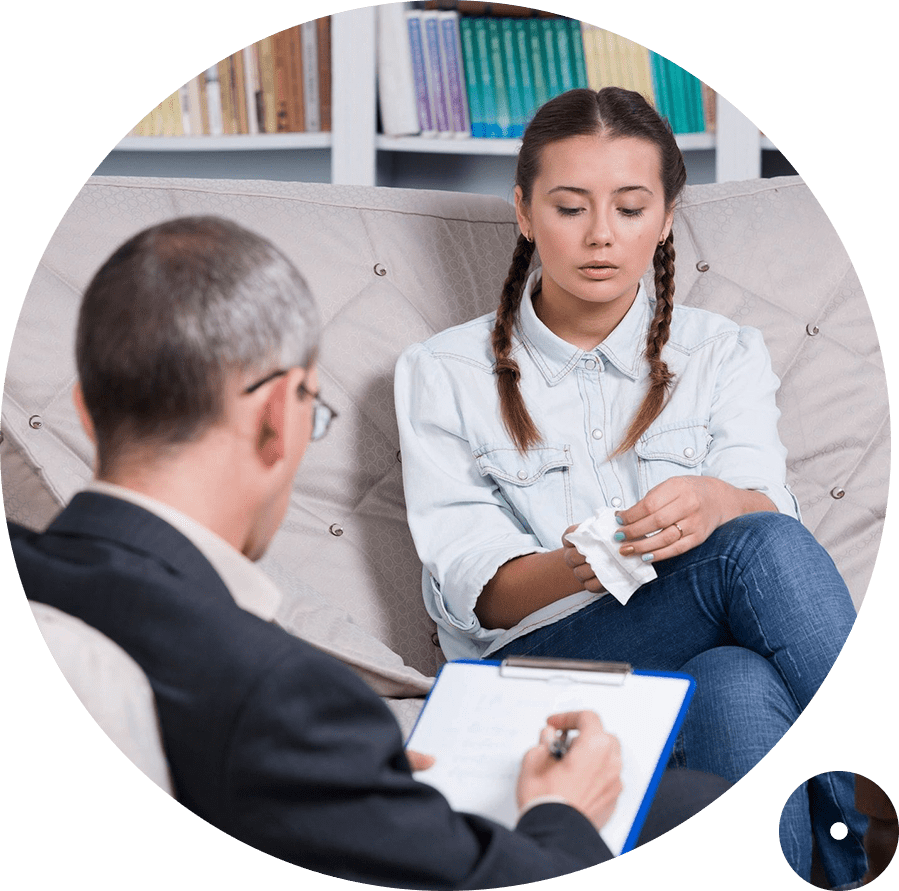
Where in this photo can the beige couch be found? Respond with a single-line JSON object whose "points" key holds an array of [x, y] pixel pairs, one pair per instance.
{"points": [[390, 267]]}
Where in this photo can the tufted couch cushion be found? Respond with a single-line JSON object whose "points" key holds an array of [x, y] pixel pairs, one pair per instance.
{"points": [[390, 267]]}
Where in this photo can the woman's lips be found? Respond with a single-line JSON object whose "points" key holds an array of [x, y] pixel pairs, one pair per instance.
{"points": [[599, 272]]}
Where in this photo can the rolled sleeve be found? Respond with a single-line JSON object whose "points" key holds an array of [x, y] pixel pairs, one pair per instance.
{"points": [[746, 450], [463, 528]]}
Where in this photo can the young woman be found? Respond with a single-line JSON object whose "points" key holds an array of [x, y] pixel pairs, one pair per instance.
{"points": [[587, 389]]}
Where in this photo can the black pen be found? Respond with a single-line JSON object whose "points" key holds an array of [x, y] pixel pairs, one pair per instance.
{"points": [[560, 745]]}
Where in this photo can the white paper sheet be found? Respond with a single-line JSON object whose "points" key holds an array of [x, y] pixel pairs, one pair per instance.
{"points": [[478, 724]]}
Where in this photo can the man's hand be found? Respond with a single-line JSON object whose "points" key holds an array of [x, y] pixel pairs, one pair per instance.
{"points": [[588, 776], [418, 761]]}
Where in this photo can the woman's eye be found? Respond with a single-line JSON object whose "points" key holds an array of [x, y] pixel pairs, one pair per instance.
{"points": [[631, 211], [569, 211]]}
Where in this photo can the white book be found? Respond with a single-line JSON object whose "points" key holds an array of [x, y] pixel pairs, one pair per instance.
{"points": [[251, 87], [188, 111], [214, 101], [396, 82], [312, 106]]}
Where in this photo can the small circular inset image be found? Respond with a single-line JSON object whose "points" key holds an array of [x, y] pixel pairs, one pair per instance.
{"points": [[838, 830]]}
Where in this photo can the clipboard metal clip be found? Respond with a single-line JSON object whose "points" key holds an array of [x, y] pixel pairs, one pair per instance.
{"points": [[581, 671]]}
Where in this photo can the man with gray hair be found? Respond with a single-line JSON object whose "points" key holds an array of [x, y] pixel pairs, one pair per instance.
{"points": [[196, 350]]}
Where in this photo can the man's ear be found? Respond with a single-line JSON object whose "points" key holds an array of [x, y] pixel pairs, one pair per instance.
{"points": [[271, 424], [83, 414]]}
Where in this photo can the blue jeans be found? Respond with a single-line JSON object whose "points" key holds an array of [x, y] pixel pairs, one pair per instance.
{"points": [[757, 614]]}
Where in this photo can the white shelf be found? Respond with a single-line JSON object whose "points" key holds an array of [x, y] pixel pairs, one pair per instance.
{"points": [[354, 147], [235, 143]]}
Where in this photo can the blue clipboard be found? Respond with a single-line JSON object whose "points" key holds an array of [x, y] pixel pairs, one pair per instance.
{"points": [[481, 716]]}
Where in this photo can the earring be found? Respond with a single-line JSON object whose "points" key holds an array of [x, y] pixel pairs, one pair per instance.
{"points": [[527, 236]]}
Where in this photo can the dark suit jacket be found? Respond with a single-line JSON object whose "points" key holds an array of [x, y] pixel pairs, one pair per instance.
{"points": [[272, 741]]}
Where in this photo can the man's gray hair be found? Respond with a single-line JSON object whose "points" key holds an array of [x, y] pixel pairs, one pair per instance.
{"points": [[174, 314]]}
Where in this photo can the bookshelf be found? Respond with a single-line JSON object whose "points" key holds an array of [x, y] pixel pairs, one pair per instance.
{"points": [[353, 153]]}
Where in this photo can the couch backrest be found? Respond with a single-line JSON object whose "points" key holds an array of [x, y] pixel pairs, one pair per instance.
{"points": [[390, 267]]}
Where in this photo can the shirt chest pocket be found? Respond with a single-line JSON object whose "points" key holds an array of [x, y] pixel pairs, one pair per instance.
{"points": [[675, 450], [536, 484]]}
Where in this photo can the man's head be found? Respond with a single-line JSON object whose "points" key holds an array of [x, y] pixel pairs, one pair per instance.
{"points": [[173, 315]]}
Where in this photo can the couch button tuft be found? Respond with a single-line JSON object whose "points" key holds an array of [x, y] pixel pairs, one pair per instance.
{"points": [[380, 270], [35, 422], [811, 330], [837, 492], [702, 266], [335, 529], [399, 456]]}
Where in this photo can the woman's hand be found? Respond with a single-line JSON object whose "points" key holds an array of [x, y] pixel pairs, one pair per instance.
{"points": [[683, 512], [578, 564]]}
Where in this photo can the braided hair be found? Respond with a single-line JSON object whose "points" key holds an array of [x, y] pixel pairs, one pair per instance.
{"points": [[615, 112]]}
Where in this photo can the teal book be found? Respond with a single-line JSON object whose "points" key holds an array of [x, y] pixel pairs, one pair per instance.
{"points": [[538, 61], [577, 53], [500, 86], [660, 84], [485, 73], [563, 55], [551, 55], [473, 84], [525, 68], [513, 78]]}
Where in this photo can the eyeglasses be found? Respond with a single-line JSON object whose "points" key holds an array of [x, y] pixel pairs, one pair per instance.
{"points": [[322, 413]]}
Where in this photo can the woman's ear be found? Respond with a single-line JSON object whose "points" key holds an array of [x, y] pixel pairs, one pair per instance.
{"points": [[83, 414], [666, 229], [522, 215]]}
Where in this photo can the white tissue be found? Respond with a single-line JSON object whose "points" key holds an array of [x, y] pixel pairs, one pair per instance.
{"points": [[620, 576]]}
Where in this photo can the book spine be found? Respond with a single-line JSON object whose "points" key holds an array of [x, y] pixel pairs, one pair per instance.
{"points": [[660, 85], [525, 69], [436, 79], [283, 100], [229, 125], [295, 91], [311, 108], [576, 42], [485, 72], [500, 87], [198, 101], [709, 107], [268, 93], [241, 112], [214, 101], [187, 112], [251, 87], [553, 80], [455, 76], [513, 80], [419, 69], [396, 80], [643, 73], [538, 59], [563, 55], [323, 33], [474, 88]]}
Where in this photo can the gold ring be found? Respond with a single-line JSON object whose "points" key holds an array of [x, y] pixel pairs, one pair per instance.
{"points": [[677, 526]]}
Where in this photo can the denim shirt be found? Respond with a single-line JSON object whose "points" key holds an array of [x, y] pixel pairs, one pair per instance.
{"points": [[474, 501]]}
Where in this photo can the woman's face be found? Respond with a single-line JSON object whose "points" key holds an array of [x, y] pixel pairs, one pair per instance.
{"points": [[597, 213]]}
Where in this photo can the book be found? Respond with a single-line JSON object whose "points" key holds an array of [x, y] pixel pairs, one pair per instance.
{"points": [[323, 30], [283, 103], [268, 93], [500, 86], [525, 68], [199, 113], [214, 101], [454, 73], [239, 93], [517, 94], [296, 82], [480, 719], [473, 86], [309, 56], [397, 99], [485, 75], [436, 80], [565, 61], [538, 62], [550, 57], [186, 118], [576, 42], [251, 87], [426, 122]]}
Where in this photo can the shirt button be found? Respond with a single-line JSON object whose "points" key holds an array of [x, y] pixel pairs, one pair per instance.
{"points": [[590, 364], [597, 433], [616, 502], [522, 474], [688, 452]]}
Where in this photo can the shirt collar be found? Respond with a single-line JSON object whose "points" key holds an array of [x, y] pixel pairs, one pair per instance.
{"points": [[555, 357], [250, 587]]}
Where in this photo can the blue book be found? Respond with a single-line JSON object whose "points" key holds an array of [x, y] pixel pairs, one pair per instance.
{"points": [[451, 48], [437, 87], [419, 70]]}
